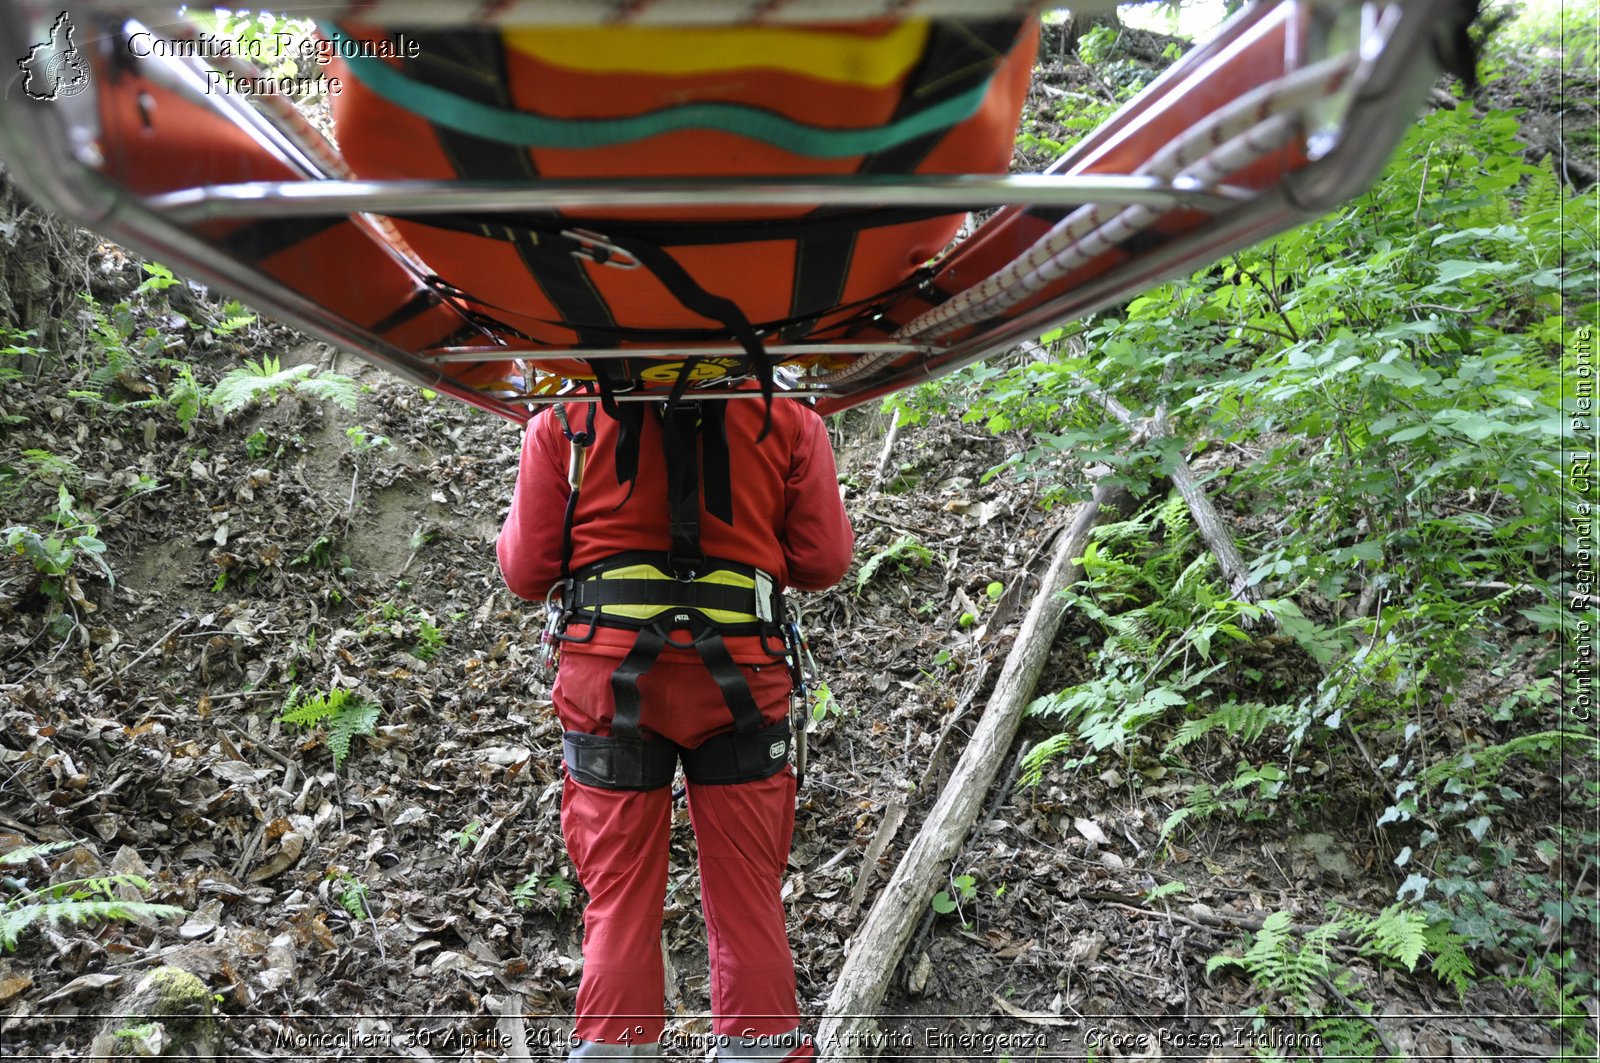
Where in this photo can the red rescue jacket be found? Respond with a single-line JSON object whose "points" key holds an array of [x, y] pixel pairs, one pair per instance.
{"points": [[788, 519]]}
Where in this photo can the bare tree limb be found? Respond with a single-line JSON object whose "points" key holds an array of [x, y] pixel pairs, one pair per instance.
{"points": [[1210, 524]]}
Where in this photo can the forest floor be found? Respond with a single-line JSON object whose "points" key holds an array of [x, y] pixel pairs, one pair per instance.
{"points": [[275, 556], [401, 903]]}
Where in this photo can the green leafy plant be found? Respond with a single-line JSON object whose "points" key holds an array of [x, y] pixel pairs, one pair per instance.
{"points": [[906, 552], [317, 555], [823, 702], [1293, 969], [555, 892], [345, 716], [467, 836], [1290, 969], [352, 892], [261, 381], [13, 348], [72, 902], [361, 439], [964, 887], [57, 554], [158, 278], [1167, 628], [407, 623], [235, 318]]}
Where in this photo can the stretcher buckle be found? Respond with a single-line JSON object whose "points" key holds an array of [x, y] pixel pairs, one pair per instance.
{"points": [[597, 249]]}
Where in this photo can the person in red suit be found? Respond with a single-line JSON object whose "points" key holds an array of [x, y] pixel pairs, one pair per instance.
{"points": [[647, 680]]}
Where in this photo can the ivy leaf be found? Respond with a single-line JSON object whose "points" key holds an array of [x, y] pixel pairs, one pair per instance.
{"points": [[1415, 885]]}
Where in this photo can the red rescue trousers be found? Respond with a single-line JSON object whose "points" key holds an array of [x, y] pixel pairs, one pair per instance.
{"points": [[618, 840]]}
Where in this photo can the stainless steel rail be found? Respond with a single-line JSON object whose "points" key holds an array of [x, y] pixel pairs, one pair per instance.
{"points": [[276, 199]]}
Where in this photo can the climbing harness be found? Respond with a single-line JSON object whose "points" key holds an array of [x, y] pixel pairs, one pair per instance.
{"points": [[680, 599]]}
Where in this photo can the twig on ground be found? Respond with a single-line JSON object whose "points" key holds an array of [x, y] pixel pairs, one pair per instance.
{"points": [[173, 630]]}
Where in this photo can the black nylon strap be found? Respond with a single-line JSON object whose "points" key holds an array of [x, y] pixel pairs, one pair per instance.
{"points": [[262, 239], [687, 291], [598, 593], [735, 691], [716, 477], [736, 757], [613, 763], [679, 439], [472, 64], [684, 233], [821, 268], [719, 664], [569, 518], [625, 681], [958, 57]]}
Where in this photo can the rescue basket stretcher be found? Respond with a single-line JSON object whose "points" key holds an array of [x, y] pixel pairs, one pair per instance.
{"points": [[575, 246]]}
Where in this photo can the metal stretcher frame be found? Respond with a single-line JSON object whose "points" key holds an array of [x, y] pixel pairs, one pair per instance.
{"points": [[1341, 115]]}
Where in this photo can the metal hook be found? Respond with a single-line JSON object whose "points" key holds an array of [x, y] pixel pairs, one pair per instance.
{"points": [[599, 250]]}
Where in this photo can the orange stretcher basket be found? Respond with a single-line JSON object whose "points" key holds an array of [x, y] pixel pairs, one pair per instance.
{"points": [[638, 200]]}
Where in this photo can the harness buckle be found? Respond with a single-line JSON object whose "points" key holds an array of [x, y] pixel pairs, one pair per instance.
{"points": [[599, 250]]}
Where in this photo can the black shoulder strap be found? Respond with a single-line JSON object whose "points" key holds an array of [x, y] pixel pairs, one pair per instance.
{"points": [[679, 439]]}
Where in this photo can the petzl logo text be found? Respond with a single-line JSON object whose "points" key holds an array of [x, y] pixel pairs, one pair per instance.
{"points": [[55, 69]]}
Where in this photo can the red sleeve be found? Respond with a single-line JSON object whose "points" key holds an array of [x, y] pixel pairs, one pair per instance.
{"points": [[817, 539], [529, 546]]}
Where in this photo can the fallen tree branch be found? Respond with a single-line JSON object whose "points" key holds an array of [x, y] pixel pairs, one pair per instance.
{"points": [[844, 1031], [888, 448], [1207, 520], [1210, 524]]}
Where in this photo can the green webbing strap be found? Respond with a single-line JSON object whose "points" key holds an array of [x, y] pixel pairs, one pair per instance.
{"points": [[444, 108]]}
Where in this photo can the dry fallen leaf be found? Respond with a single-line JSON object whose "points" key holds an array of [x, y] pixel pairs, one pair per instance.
{"points": [[12, 984], [1034, 1018], [84, 983], [1090, 830], [290, 846]]}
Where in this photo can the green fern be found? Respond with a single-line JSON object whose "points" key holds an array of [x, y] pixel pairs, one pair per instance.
{"points": [[1037, 758], [18, 916], [53, 465], [1202, 802], [73, 902], [1396, 933], [258, 381], [332, 387], [1243, 720], [352, 895], [906, 551], [21, 855], [1280, 962], [1485, 763], [234, 318], [1450, 964], [344, 714]]}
